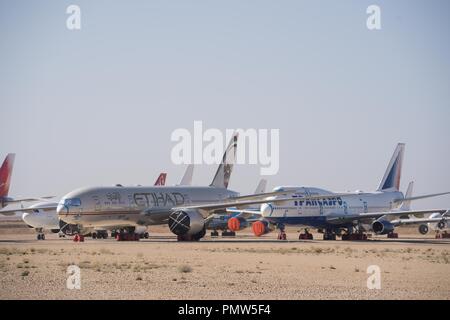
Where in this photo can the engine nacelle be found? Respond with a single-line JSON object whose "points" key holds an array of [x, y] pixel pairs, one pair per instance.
{"points": [[382, 227], [237, 223], [260, 228], [423, 229], [186, 223]]}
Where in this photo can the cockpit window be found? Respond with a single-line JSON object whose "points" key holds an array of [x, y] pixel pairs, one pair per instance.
{"points": [[74, 202]]}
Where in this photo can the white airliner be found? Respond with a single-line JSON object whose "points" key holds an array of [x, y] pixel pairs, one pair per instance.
{"points": [[43, 216], [348, 214]]}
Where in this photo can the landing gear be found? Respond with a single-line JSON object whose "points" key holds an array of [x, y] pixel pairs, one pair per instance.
{"points": [[227, 233], [214, 233], [41, 236], [282, 233], [306, 235], [329, 235], [442, 235], [392, 235], [354, 236], [101, 234], [127, 234]]}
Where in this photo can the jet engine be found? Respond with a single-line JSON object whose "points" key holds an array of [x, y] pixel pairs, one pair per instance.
{"points": [[187, 223], [260, 227], [237, 223], [382, 227], [423, 229]]}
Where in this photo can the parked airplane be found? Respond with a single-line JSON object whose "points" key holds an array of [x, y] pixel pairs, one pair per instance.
{"points": [[43, 216], [186, 209], [5, 181], [349, 214]]}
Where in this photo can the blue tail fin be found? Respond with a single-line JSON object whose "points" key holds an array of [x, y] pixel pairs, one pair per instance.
{"points": [[391, 178]]}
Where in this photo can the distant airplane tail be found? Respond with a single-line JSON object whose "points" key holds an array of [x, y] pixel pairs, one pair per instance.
{"points": [[187, 177], [391, 178], [406, 205], [161, 181], [223, 174], [5, 174], [261, 187]]}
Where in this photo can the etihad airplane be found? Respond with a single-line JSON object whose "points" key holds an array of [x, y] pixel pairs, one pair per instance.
{"points": [[43, 216], [186, 209], [346, 214], [5, 181]]}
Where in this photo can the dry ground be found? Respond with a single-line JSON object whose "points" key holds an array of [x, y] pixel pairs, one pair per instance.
{"points": [[412, 267]]}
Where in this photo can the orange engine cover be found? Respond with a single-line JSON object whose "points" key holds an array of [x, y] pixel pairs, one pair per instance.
{"points": [[234, 224], [259, 228]]}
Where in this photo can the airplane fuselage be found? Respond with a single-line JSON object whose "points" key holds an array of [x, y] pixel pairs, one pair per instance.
{"points": [[327, 212], [132, 206]]}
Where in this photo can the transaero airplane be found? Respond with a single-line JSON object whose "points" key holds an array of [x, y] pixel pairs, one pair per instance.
{"points": [[351, 214]]}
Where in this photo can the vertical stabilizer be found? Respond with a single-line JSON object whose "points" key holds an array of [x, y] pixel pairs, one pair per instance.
{"points": [[187, 177], [5, 174], [391, 178], [406, 205], [222, 176]]}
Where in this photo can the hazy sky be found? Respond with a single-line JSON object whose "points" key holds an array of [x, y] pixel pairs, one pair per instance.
{"points": [[97, 106]]}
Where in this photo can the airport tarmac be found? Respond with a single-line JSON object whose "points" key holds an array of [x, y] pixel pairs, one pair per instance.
{"points": [[412, 267]]}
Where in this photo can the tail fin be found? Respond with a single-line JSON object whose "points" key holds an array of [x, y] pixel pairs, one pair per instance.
{"points": [[222, 176], [261, 187], [161, 181], [406, 205], [391, 178], [5, 174], [187, 177]]}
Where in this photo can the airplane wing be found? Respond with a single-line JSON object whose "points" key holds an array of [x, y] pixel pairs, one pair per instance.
{"points": [[401, 222], [246, 214], [421, 197], [254, 199], [13, 211], [377, 215], [28, 199]]}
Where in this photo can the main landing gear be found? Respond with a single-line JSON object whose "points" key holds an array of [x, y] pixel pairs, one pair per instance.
{"points": [[282, 234], [225, 233], [442, 235], [392, 235], [40, 234], [101, 234], [358, 236], [329, 235], [306, 235]]}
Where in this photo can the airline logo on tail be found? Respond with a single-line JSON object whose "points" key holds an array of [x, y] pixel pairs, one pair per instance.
{"points": [[391, 178], [161, 181], [5, 174]]}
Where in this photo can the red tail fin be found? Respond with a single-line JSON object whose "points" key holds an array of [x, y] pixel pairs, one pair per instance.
{"points": [[161, 179], [5, 174]]}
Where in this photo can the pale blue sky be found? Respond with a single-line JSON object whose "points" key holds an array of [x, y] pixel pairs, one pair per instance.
{"points": [[97, 106]]}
